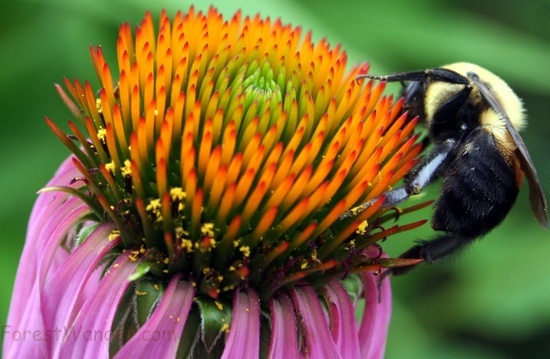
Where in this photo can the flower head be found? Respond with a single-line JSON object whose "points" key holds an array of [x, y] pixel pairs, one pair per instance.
{"points": [[210, 184]]}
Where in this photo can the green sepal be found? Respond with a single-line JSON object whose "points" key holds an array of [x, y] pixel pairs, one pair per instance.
{"points": [[124, 324], [147, 296], [85, 231], [142, 269], [353, 284], [215, 319], [190, 335]]}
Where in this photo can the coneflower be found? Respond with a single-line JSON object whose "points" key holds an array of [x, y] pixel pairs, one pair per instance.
{"points": [[201, 213]]}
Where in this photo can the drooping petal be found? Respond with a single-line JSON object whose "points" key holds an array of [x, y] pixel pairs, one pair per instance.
{"points": [[284, 331], [342, 318], [160, 336], [376, 316], [63, 294], [244, 335], [16, 343], [34, 318], [89, 334], [36, 262], [26, 273], [314, 324]]}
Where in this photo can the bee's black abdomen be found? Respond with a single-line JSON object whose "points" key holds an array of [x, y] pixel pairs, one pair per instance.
{"points": [[479, 188]]}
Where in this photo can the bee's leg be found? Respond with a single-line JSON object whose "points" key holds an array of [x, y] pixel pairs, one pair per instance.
{"points": [[421, 176], [433, 250]]}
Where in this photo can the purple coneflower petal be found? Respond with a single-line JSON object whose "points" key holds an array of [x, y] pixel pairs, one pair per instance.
{"points": [[25, 318], [244, 335], [89, 334], [315, 327], [284, 333], [45, 204], [26, 299], [376, 316], [342, 319], [27, 323], [63, 294], [160, 336]]}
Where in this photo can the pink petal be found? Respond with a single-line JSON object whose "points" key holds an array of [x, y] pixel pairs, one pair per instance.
{"points": [[26, 316], [89, 334], [376, 316], [25, 338], [315, 327], [284, 333], [160, 336], [63, 294], [244, 335], [342, 319], [53, 212]]}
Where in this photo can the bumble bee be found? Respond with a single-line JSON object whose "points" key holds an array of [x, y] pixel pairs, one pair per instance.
{"points": [[473, 118]]}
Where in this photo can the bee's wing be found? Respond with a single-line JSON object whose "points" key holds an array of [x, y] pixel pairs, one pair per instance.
{"points": [[536, 194]]}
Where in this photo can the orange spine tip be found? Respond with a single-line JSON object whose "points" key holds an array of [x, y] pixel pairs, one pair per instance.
{"points": [[218, 186], [226, 204], [280, 191], [295, 215], [265, 222]]}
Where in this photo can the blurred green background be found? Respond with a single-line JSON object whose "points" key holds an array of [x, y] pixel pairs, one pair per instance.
{"points": [[493, 301]]}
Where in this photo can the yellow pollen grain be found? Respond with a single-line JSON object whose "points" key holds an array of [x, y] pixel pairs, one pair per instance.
{"points": [[166, 260], [207, 229], [140, 293], [156, 286], [245, 250], [362, 228], [219, 305], [304, 265], [177, 193], [98, 105], [225, 328], [127, 168], [102, 134], [154, 205], [110, 167], [115, 265], [187, 244], [114, 235], [206, 270]]}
